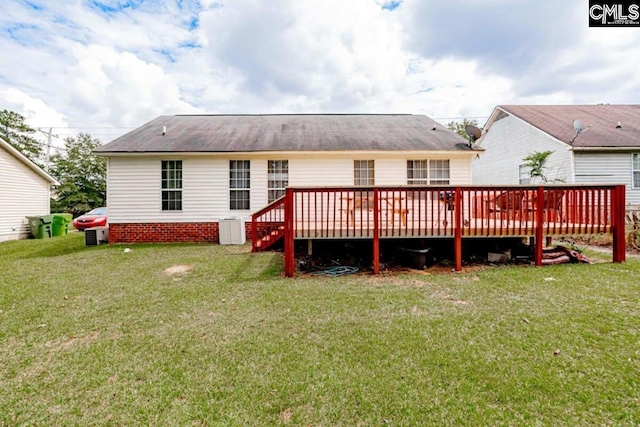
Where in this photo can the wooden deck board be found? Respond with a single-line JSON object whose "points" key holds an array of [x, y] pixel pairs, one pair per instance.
{"points": [[474, 228]]}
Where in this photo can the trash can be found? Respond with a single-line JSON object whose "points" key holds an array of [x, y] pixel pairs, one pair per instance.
{"points": [[60, 225], [40, 226]]}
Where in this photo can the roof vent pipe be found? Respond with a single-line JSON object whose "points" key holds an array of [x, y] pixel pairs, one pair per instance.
{"points": [[619, 126], [164, 130]]}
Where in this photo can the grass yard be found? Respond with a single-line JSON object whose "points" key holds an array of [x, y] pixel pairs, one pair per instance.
{"points": [[97, 336]]}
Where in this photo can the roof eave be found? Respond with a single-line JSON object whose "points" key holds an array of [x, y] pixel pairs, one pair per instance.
{"points": [[471, 151], [602, 148]]}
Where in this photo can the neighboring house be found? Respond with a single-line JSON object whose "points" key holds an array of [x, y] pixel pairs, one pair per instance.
{"points": [[176, 177], [25, 190], [607, 151]]}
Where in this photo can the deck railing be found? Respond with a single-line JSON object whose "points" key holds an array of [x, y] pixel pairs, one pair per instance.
{"points": [[267, 225], [449, 212]]}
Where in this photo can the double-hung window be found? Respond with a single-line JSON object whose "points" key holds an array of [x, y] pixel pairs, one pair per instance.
{"points": [[636, 170], [363, 172], [171, 185], [428, 172], [277, 178], [523, 175], [439, 172], [418, 172], [239, 184]]}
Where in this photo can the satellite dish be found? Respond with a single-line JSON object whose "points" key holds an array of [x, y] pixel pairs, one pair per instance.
{"points": [[578, 126], [473, 132]]}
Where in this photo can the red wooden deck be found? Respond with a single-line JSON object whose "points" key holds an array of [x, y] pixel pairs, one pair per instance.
{"points": [[440, 212]]}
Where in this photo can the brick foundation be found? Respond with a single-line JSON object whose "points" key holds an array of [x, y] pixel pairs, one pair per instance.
{"points": [[176, 232]]}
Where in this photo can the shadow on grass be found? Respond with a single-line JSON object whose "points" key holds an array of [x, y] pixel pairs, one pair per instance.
{"points": [[253, 267], [58, 246]]}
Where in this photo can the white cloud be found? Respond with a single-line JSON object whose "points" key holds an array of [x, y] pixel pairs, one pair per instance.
{"points": [[119, 88], [34, 110], [116, 65]]}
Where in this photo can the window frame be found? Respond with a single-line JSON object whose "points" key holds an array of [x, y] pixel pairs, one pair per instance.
{"points": [[235, 180], [171, 186], [426, 170], [369, 168], [523, 177], [276, 185], [635, 158]]}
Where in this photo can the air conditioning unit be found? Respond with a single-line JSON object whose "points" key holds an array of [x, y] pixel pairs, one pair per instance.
{"points": [[96, 236], [232, 231]]}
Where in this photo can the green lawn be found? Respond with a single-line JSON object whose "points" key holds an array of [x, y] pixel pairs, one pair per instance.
{"points": [[97, 336]]}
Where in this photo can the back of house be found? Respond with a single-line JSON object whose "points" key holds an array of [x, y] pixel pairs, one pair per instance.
{"points": [[176, 177]]}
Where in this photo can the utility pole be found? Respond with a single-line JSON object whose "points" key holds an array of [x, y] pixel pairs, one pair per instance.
{"points": [[49, 135]]}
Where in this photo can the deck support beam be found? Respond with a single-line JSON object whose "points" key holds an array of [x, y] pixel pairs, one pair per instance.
{"points": [[618, 215], [376, 232], [457, 243], [289, 244], [539, 226]]}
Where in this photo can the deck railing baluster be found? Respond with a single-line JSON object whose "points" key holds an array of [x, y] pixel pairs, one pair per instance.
{"points": [[440, 211]]}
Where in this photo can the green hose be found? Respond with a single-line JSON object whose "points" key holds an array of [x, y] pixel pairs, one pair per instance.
{"points": [[337, 271]]}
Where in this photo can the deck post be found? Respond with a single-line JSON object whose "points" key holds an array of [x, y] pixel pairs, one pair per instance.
{"points": [[254, 234], [289, 246], [457, 244], [618, 216], [539, 225], [376, 232]]}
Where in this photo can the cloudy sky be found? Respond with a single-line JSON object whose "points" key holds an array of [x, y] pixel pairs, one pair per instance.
{"points": [[106, 66]]}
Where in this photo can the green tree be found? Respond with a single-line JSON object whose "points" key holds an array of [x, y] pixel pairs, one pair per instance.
{"points": [[536, 162], [82, 176], [460, 127], [15, 131]]}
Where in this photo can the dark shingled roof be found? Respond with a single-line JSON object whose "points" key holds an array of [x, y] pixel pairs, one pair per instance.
{"points": [[317, 132], [557, 121]]}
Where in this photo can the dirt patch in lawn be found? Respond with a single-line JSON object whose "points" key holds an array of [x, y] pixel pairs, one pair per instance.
{"points": [[178, 270]]}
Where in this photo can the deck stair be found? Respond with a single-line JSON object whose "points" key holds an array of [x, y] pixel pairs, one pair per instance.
{"points": [[270, 239], [268, 225]]}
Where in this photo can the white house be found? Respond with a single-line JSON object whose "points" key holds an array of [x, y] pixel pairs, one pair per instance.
{"points": [[174, 178], [25, 190], [606, 151]]}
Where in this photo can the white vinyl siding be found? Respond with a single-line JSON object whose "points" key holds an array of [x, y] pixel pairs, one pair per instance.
{"points": [[608, 168], [22, 193], [133, 189], [507, 142]]}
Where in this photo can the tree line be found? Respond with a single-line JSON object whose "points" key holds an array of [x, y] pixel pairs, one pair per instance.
{"points": [[81, 174]]}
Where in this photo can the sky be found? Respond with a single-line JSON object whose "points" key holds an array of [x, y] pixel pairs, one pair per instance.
{"points": [[105, 67]]}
